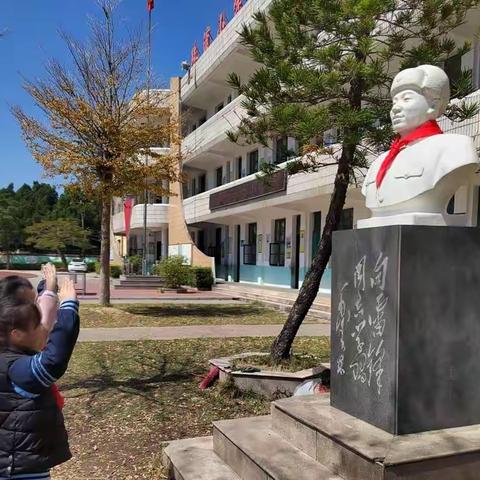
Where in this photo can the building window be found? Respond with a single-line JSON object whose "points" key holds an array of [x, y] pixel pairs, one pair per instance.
{"points": [[194, 127], [219, 107], [316, 231], [239, 167], [202, 120], [281, 149], [253, 162], [219, 176], [194, 186], [227, 173], [250, 248], [229, 99], [277, 247], [202, 181]]}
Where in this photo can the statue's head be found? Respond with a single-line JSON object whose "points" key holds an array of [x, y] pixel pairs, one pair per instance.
{"points": [[418, 95]]}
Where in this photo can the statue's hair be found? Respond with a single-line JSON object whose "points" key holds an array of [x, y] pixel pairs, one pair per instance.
{"points": [[429, 80]]}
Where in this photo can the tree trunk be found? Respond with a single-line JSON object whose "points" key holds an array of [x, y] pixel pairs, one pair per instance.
{"points": [[105, 250], [282, 345], [64, 259], [8, 260]]}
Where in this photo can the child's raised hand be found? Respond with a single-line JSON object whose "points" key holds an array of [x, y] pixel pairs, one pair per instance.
{"points": [[67, 290], [50, 273]]}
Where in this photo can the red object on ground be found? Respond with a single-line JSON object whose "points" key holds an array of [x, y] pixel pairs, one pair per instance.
{"points": [[127, 213], [321, 389], [212, 375], [150, 5], [59, 399], [428, 129]]}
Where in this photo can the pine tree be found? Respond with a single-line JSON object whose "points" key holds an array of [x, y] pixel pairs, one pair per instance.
{"points": [[327, 63]]}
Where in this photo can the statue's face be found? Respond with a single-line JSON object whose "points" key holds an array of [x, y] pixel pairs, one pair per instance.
{"points": [[410, 110]]}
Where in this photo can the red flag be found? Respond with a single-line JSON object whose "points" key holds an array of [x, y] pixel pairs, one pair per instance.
{"points": [[207, 38], [127, 213], [195, 54], [222, 23], [150, 5], [237, 5]]}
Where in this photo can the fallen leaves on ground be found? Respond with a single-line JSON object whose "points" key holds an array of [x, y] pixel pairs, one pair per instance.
{"points": [[124, 399]]}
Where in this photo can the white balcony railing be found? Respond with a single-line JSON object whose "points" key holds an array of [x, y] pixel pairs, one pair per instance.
{"points": [[303, 186], [214, 129], [221, 46], [157, 218], [470, 127]]}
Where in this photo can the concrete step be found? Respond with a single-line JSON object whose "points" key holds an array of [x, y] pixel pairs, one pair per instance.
{"points": [[254, 452], [347, 446], [194, 459], [287, 298], [316, 310]]}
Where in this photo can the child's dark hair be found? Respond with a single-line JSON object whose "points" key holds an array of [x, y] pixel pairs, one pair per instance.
{"points": [[12, 285], [16, 315]]}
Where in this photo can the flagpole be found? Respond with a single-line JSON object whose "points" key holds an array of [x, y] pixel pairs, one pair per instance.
{"points": [[149, 73]]}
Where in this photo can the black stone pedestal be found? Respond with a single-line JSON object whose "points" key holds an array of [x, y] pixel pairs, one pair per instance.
{"points": [[406, 326]]}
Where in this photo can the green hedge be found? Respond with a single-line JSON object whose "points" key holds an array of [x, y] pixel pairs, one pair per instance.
{"points": [[173, 270], [28, 266], [202, 278], [115, 270], [177, 274]]}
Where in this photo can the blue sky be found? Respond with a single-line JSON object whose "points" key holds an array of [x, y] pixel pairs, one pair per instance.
{"points": [[32, 38]]}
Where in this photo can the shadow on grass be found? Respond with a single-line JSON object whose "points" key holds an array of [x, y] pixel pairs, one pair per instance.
{"points": [[131, 381], [192, 310]]}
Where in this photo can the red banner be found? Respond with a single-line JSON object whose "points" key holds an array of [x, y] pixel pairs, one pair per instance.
{"points": [[195, 54], [222, 23], [207, 38], [127, 213], [237, 5], [150, 5]]}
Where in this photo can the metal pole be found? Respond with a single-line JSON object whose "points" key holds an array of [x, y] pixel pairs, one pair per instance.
{"points": [[145, 239]]}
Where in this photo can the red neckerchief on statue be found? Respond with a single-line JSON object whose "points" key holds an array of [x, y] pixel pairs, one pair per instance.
{"points": [[428, 129]]}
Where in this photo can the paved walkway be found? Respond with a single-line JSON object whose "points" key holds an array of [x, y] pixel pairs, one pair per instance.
{"points": [[195, 331]]}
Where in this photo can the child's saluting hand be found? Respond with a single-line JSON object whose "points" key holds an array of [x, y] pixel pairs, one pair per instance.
{"points": [[50, 273], [67, 291]]}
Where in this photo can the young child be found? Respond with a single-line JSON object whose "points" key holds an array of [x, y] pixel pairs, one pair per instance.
{"points": [[20, 288], [33, 438]]}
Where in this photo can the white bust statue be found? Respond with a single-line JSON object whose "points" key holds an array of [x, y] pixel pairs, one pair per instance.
{"points": [[413, 182]]}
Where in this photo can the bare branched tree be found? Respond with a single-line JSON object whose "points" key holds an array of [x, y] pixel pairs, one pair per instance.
{"points": [[98, 123]]}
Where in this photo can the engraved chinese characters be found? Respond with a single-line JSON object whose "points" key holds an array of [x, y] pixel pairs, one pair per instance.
{"points": [[364, 326], [364, 322]]}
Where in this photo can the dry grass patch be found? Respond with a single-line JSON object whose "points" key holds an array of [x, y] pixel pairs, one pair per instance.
{"points": [[163, 315], [123, 399]]}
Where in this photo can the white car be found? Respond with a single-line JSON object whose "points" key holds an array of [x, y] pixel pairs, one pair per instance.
{"points": [[77, 265]]}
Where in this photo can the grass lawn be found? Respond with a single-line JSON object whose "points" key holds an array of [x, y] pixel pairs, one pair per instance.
{"points": [[162, 315], [123, 399]]}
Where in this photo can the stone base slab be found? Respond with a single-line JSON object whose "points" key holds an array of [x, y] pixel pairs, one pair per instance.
{"points": [[356, 450]]}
